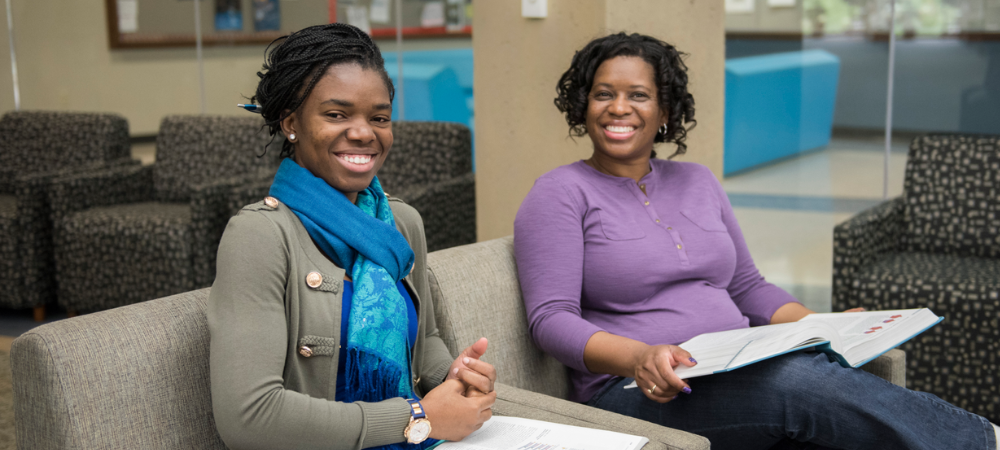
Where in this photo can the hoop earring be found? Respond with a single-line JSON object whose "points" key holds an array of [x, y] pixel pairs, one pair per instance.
{"points": [[663, 130], [291, 137]]}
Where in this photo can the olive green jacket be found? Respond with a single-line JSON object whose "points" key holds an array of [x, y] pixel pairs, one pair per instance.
{"points": [[267, 303]]}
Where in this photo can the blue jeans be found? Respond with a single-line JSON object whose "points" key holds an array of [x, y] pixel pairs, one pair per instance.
{"points": [[802, 400]]}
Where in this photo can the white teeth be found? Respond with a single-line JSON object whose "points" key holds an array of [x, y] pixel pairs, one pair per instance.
{"points": [[617, 129], [357, 159]]}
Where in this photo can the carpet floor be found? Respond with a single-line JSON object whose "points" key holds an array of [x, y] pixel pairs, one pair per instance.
{"points": [[7, 441]]}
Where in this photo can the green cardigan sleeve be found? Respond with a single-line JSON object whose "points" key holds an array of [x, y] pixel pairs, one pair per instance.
{"points": [[249, 341]]}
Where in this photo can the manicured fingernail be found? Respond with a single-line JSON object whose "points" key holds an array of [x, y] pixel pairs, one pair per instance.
{"points": [[693, 360], [455, 371], [465, 360], [686, 390]]}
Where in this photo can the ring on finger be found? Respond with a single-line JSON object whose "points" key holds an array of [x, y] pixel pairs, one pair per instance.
{"points": [[650, 390]]}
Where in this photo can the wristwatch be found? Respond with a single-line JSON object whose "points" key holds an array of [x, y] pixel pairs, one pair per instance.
{"points": [[419, 427]]}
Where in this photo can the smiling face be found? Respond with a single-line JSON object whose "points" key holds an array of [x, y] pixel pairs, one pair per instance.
{"points": [[623, 112], [342, 130]]}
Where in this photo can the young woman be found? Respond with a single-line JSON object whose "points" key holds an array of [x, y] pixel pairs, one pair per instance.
{"points": [[622, 256], [323, 332]]}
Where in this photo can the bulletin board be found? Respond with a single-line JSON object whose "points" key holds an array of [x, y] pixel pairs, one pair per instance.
{"points": [[171, 23]]}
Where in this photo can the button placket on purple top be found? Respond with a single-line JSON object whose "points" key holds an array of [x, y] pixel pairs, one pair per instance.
{"points": [[651, 212]]}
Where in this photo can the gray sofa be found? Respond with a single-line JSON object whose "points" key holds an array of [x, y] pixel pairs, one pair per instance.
{"points": [[137, 376]]}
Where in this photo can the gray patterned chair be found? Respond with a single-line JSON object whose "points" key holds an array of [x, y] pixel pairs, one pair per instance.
{"points": [[125, 235], [937, 246], [35, 147], [429, 167], [138, 376]]}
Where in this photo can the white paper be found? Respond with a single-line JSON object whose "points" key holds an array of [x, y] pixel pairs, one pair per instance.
{"points": [[739, 6], [380, 11], [128, 16], [358, 16], [500, 433], [432, 15], [781, 3]]}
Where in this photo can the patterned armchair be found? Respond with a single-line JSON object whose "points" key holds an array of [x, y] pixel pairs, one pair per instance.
{"points": [[429, 167], [937, 246], [125, 235], [35, 147]]}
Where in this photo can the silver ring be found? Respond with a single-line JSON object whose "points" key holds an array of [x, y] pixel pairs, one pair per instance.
{"points": [[650, 390]]}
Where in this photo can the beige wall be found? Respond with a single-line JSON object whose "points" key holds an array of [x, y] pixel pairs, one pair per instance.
{"points": [[64, 63], [520, 134]]}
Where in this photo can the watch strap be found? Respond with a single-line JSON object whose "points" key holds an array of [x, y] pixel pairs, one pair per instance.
{"points": [[416, 409]]}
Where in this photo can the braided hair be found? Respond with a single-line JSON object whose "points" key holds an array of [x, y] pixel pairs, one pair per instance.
{"points": [[670, 75], [293, 65]]}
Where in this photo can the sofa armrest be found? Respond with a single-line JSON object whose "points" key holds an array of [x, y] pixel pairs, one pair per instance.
{"points": [[861, 240], [515, 402], [34, 225], [108, 186], [129, 377], [891, 367], [210, 212], [448, 209]]}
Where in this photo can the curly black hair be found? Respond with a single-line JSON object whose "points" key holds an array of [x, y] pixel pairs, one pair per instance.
{"points": [[293, 65], [670, 76]]}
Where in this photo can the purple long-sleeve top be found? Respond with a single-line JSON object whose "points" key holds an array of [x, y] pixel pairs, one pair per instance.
{"points": [[595, 253]]}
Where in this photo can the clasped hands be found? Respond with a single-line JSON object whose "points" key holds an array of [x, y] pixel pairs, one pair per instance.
{"points": [[464, 401]]}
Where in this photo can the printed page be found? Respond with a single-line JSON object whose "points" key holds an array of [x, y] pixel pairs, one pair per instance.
{"points": [[859, 327], [514, 433], [869, 334], [724, 350], [735, 348]]}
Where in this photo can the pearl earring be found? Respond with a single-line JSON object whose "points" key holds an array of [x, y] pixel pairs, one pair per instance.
{"points": [[291, 137]]}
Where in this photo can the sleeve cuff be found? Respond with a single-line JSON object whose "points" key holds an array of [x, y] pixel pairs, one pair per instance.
{"points": [[385, 421], [436, 376]]}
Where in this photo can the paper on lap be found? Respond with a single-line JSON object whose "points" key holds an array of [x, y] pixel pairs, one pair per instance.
{"points": [[852, 339], [502, 433]]}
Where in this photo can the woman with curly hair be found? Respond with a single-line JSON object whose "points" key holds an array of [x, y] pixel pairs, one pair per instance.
{"points": [[322, 327], [622, 256]]}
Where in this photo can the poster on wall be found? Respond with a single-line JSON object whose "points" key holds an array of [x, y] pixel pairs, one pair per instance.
{"points": [[358, 16], [455, 15], [739, 6], [266, 15], [380, 11], [432, 15], [228, 15], [781, 3], [128, 16]]}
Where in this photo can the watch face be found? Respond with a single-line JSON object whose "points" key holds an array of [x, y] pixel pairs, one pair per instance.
{"points": [[418, 431]]}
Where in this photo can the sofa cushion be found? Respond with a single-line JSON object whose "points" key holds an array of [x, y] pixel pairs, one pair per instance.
{"points": [[143, 250], [953, 195], [198, 149], [958, 358], [476, 294]]}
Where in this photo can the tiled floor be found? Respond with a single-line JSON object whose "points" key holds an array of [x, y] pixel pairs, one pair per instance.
{"points": [[787, 211]]}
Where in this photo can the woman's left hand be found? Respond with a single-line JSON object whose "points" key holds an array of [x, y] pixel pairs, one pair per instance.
{"points": [[467, 368]]}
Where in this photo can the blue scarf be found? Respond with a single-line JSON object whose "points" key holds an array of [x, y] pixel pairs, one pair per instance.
{"points": [[362, 239]]}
